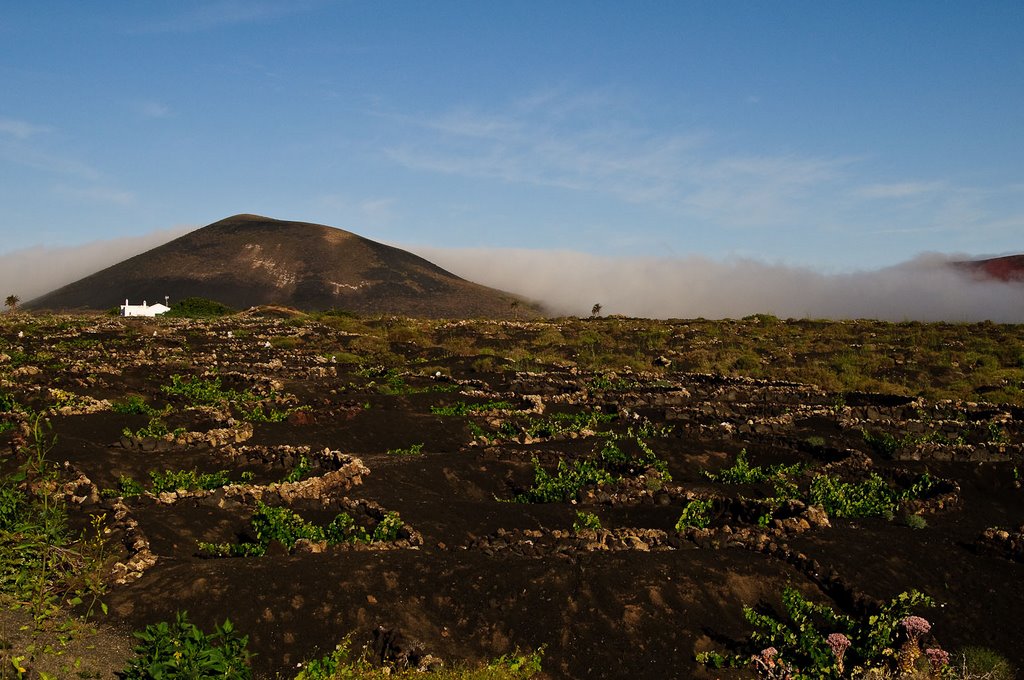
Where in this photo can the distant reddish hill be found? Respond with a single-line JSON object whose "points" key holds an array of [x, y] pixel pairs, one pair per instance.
{"points": [[1009, 268], [248, 260]]}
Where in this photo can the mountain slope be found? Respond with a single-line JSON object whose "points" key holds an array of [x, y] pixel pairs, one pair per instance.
{"points": [[1008, 268], [249, 260]]}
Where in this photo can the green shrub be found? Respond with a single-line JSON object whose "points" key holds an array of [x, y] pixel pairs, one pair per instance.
{"points": [[258, 413], [803, 639], [345, 358], [198, 308], [333, 312], [386, 380], [462, 408], [609, 465], [271, 523], [198, 391], [915, 522], [553, 425], [342, 664], [585, 520], [742, 472], [648, 430], [155, 428], [173, 651], [890, 446], [611, 454], [617, 462], [175, 480], [13, 505], [387, 529], [188, 480], [7, 402], [604, 383], [389, 381], [134, 404], [484, 365], [746, 362], [512, 666], [413, 450], [565, 484], [64, 399], [996, 434], [44, 565], [870, 498], [128, 488], [696, 514], [982, 662], [337, 664], [286, 342], [300, 471]]}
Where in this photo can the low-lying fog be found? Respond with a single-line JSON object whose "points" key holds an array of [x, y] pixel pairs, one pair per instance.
{"points": [[570, 283], [32, 272], [923, 289]]}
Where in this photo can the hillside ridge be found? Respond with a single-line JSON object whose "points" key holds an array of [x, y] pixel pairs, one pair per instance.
{"points": [[247, 260], [1006, 268]]}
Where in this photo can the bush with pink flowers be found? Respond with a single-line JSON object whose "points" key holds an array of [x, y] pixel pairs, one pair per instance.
{"points": [[815, 642]]}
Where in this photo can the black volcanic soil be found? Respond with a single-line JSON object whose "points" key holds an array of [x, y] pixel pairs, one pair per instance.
{"points": [[491, 576]]}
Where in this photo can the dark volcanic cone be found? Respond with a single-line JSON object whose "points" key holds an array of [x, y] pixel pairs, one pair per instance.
{"points": [[248, 260]]}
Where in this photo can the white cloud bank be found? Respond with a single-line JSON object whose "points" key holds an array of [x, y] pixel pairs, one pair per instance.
{"points": [[923, 289], [570, 283], [31, 272]]}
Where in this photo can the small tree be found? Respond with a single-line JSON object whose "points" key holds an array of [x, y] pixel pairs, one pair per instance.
{"points": [[198, 308], [12, 302], [515, 308], [596, 310]]}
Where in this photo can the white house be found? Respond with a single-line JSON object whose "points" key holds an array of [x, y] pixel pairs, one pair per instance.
{"points": [[143, 309]]}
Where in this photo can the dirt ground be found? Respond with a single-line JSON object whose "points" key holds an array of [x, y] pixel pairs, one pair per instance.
{"points": [[475, 575]]}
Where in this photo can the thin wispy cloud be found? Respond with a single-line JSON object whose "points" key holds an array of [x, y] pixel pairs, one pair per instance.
{"points": [[352, 213], [1013, 224], [969, 214], [625, 163], [151, 109], [597, 144], [96, 194], [906, 230], [22, 149], [900, 189], [36, 159], [20, 129], [222, 13], [760, 191], [548, 142]]}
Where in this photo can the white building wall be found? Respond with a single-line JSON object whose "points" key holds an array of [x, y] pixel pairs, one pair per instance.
{"points": [[143, 309]]}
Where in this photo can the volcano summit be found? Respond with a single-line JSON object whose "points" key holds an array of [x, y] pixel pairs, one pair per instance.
{"points": [[249, 260]]}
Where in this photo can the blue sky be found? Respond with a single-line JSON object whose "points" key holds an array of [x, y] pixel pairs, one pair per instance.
{"points": [[834, 136]]}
